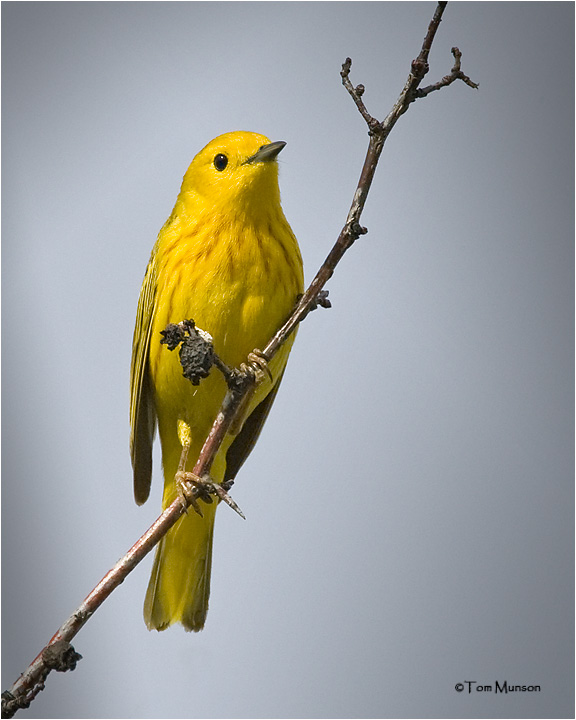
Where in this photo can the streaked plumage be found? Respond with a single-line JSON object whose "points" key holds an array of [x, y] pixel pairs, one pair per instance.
{"points": [[227, 259]]}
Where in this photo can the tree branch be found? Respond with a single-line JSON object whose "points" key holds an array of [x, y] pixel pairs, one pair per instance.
{"points": [[32, 680], [455, 74]]}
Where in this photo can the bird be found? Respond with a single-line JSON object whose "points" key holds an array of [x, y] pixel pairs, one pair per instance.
{"points": [[227, 259]]}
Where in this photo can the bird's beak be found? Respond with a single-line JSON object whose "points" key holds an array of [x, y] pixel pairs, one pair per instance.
{"points": [[266, 153]]}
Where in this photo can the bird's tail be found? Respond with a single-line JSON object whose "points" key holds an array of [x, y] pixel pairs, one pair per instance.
{"points": [[180, 582]]}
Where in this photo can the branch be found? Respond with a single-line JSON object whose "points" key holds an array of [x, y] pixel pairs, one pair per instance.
{"points": [[455, 74], [32, 680]]}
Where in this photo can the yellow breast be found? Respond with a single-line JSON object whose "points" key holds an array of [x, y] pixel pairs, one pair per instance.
{"points": [[236, 280]]}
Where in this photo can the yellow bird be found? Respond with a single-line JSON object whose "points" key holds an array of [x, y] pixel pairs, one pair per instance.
{"points": [[226, 258]]}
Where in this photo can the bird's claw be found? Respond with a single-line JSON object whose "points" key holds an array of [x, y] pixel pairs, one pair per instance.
{"points": [[258, 365], [192, 488]]}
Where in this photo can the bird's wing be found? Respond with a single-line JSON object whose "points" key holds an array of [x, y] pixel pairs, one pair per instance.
{"points": [[142, 410], [247, 437]]}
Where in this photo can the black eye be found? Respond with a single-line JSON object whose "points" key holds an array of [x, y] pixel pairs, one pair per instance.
{"points": [[220, 162]]}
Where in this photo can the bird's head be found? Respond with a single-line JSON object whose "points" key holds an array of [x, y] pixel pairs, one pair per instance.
{"points": [[237, 170]]}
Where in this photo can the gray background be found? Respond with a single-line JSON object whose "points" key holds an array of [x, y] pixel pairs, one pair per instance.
{"points": [[410, 503]]}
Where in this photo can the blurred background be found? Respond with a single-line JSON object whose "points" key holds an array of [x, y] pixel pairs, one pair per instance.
{"points": [[410, 503]]}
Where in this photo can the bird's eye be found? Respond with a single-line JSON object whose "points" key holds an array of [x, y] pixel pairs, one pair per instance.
{"points": [[220, 162]]}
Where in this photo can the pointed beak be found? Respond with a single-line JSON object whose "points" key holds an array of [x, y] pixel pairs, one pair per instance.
{"points": [[266, 153]]}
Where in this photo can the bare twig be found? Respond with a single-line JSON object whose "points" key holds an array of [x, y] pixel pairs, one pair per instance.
{"points": [[356, 93], [455, 74], [32, 680]]}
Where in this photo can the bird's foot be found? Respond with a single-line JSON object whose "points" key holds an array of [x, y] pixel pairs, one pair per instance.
{"points": [[258, 365], [192, 488]]}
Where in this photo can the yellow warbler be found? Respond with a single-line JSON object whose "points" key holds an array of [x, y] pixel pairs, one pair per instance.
{"points": [[227, 259]]}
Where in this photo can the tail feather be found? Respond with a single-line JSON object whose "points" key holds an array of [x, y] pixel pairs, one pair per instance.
{"points": [[179, 586]]}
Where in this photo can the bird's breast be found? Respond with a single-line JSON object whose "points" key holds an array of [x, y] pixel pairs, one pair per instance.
{"points": [[238, 283]]}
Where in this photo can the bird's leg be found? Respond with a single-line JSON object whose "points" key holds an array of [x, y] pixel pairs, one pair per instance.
{"points": [[185, 437], [192, 488], [187, 489]]}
